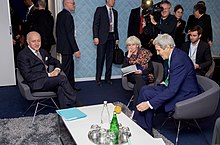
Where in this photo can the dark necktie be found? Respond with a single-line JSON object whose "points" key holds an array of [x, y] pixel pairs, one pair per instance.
{"points": [[110, 20], [168, 75]]}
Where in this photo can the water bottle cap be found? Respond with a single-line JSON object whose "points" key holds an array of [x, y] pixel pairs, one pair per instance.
{"points": [[105, 102]]}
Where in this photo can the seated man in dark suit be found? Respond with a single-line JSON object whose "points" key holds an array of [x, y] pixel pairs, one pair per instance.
{"points": [[33, 63], [180, 84], [198, 51]]}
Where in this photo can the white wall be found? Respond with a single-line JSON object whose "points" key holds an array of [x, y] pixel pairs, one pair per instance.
{"points": [[7, 69]]}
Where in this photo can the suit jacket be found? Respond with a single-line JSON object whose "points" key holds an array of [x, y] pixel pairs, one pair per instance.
{"points": [[134, 22], [101, 24], [65, 33], [182, 82], [204, 22], [179, 34], [43, 24], [167, 26], [33, 69], [203, 56]]}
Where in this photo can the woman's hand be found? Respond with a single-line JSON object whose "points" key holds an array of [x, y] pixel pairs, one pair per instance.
{"points": [[138, 72]]}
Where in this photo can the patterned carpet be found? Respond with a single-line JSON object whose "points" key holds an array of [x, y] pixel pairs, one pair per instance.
{"points": [[20, 131]]}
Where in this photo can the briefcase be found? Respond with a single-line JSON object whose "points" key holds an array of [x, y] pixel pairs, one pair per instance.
{"points": [[118, 55]]}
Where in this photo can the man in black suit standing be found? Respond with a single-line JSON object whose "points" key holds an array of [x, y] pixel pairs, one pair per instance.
{"points": [[33, 63], [137, 23], [28, 21], [66, 42], [105, 36], [198, 50]]}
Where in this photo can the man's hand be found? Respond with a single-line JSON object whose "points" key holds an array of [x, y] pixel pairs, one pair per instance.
{"points": [[77, 54], [96, 41], [143, 106], [152, 20], [55, 73], [116, 42], [210, 44], [196, 66]]}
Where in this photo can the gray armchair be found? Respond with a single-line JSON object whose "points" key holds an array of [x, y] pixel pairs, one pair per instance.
{"points": [[158, 75], [200, 106], [210, 72], [37, 97]]}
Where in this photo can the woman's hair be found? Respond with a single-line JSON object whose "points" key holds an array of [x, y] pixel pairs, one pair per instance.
{"points": [[177, 7], [133, 40], [164, 40]]}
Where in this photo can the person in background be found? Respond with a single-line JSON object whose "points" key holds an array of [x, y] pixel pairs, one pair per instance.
{"points": [[202, 19], [16, 24], [179, 34], [105, 37], [198, 51], [33, 62], [136, 55], [180, 84], [28, 21], [137, 23], [43, 23], [66, 42]]}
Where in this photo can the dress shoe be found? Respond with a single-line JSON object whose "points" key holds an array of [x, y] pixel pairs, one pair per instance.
{"points": [[98, 83], [108, 82], [76, 89]]}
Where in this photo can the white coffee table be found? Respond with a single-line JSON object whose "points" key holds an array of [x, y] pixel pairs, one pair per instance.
{"points": [[79, 128]]}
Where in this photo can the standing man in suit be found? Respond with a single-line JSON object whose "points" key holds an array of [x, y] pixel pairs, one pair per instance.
{"points": [[180, 84], [137, 23], [198, 51], [33, 63], [66, 42], [28, 22], [105, 37]]}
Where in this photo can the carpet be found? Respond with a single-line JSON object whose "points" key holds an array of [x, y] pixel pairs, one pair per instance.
{"points": [[20, 131]]}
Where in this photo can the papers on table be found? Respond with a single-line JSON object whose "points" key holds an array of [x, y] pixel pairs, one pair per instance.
{"points": [[129, 69], [71, 114]]}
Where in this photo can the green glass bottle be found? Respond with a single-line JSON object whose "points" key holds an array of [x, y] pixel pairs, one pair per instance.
{"points": [[114, 127]]}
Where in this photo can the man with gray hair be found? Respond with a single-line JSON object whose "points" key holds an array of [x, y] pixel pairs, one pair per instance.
{"points": [[180, 84], [66, 42]]}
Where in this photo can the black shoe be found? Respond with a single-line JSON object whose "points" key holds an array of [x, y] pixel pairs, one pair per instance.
{"points": [[108, 82], [98, 83], [76, 89]]}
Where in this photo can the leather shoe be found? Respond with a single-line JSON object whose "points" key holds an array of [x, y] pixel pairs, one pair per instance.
{"points": [[98, 83], [109, 82], [76, 89]]}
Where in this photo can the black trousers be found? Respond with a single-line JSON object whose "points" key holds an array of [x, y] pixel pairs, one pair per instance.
{"points": [[68, 68], [105, 53], [63, 89]]}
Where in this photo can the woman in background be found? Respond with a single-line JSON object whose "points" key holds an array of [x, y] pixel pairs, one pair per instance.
{"points": [[142, 59], [179, 35]]}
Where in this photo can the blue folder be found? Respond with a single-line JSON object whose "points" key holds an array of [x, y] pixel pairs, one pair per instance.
{"points": [[71, 114]]}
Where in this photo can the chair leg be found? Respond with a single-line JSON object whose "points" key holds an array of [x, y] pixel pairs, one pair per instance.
{"points": [[54, 103], [35, 112], [32, 104], [132, 97], [165, 121], [178, 131], [200, 129]]}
